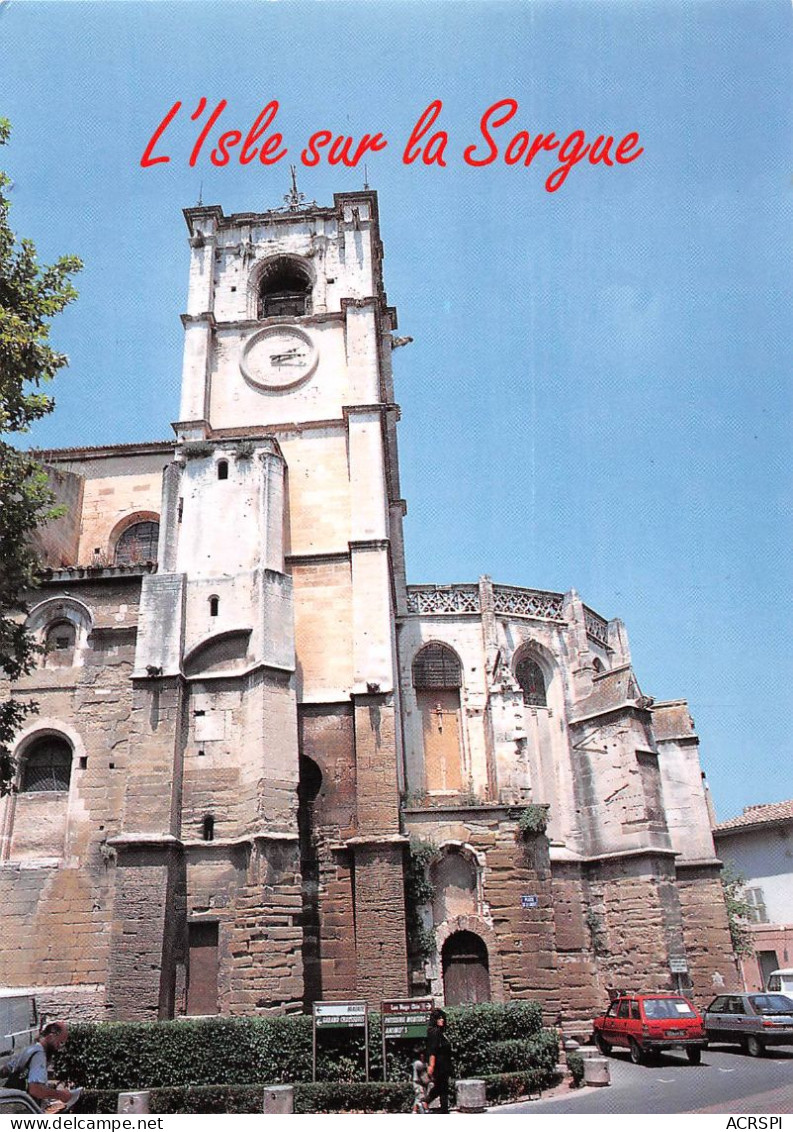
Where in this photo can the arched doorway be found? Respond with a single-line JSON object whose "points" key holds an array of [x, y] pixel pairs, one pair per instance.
{"points": [[466, 973]]}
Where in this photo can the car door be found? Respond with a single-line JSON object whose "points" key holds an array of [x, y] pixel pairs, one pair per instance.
{"points": [[609, 1028], [716, 1019]]}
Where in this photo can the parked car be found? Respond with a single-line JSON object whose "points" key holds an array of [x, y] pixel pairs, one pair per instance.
{"points": [[12, 1100], [754, 1021], [19, 1021], [781, 981], [648, 1023]]}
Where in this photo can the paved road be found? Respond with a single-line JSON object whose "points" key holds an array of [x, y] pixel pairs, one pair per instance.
{"points": [[726, 1081]]}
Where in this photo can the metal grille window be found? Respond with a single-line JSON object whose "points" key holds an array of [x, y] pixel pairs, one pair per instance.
{"points": [[138, 544], [532, 682], [47, 766], [437, 666]]}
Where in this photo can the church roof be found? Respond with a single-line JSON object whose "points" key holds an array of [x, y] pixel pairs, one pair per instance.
{"points": [[753, 816]]}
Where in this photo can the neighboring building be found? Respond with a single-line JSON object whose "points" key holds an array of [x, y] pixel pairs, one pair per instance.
{"points": [[245, 712], [759, 846]]}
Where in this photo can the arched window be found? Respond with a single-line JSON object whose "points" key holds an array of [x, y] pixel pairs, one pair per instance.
{"points": [[223, 469], [437, 666], [437, 678], [284, 289], [46, 765], [208, 828], [138, 543], [529, 675], [59, 644], [214, 605]]}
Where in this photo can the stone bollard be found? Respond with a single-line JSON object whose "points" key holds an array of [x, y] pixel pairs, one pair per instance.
{"points": [[471, 1096], [596, 1070], [278, 1099], [133, 1102]]}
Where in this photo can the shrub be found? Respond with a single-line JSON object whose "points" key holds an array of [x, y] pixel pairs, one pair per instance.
{"points": [[361, 1096], [519, 1056], [533, 820], [575, 1063], [500, 1088], [472, 1028], [192, 1053]]}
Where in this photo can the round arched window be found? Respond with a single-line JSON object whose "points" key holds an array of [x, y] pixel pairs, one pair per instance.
{"points": [[46, 765], [532, 682], [284, 289], [138, 543]]}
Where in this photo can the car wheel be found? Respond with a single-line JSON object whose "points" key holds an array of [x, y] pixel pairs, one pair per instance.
{"points": [[694, 1056], [754, 1047], [602, 1044], [636, 1052]]}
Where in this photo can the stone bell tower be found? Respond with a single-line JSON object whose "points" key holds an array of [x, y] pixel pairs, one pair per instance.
{"points": [[269, 629]]}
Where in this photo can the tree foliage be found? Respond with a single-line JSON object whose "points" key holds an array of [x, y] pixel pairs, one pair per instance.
{"points": [[739, 910], [30, 295]]}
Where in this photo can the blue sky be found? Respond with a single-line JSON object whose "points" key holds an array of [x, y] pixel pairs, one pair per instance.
{"points": [[598, 390]]}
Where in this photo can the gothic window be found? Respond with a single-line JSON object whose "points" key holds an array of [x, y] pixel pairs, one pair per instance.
{"points": [[532, 682], [138, 543], [284, 290], [47, 765], [59, 645], [437, 666]]}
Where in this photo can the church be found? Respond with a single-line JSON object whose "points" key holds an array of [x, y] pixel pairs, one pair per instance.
{"points": [[267, 771]]}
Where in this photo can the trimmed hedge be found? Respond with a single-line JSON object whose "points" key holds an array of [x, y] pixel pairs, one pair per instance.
{"points": [[371, 1096], [236, 1051]]}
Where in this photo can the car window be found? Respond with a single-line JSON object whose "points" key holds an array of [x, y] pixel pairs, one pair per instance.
{"points": [[718, 1005], [772, 1003], [623, 1010], [634, 1010], [667, 1008], [612, 1010], [736, 1006]]}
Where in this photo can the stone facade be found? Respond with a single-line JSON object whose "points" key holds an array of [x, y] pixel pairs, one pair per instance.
{"points": [[247, 717]]}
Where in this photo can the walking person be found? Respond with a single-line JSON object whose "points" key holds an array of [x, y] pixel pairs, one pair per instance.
{"points": [[440, 1065], [421, 1082]]}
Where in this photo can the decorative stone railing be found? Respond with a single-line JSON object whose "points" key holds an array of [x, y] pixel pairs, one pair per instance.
{"points": [[539, 604], [596, 627], [443, 599]]}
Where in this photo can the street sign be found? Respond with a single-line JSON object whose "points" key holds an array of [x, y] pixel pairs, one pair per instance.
{"points": [[529, 901], [406, 1017], [339, 1015], [678, 966]]}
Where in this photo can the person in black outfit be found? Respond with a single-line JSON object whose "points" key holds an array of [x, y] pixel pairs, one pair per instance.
{"points": [[440, 1060]]}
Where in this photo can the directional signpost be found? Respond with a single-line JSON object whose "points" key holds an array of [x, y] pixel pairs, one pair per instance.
{"points": [[404, 1018], [340, 1016]]}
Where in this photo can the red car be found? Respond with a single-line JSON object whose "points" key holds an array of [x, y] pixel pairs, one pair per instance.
{"points": [[648, 1023]]}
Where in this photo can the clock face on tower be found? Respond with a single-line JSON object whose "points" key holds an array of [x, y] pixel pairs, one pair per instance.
{"points": [[278, 357]]}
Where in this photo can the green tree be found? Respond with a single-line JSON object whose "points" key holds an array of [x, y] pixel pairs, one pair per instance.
{"points": [[30, 295], [739, 910]]}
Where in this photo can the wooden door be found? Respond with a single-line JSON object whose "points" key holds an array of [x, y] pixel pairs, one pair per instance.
{"points": [[465, 970], [440, 714], [202, 977]]}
